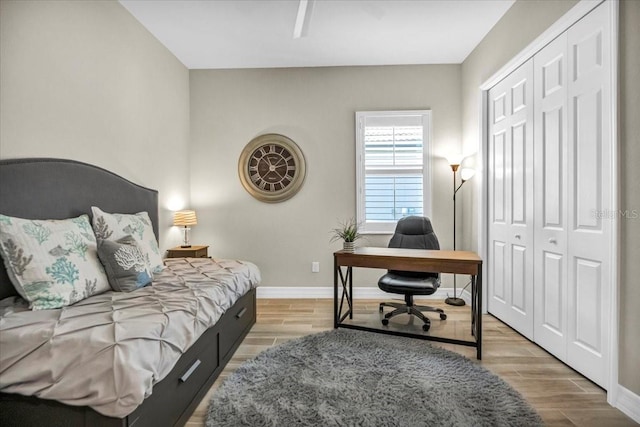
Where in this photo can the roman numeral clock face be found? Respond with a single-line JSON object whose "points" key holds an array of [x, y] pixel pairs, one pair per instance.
{"points": [[272, 168]]}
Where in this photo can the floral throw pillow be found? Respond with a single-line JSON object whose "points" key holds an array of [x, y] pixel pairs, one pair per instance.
{"points": [[126, 266], [114, 226], [51, 263]]}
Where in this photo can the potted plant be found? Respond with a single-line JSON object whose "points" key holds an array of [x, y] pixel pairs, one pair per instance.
{"points": [[348, 233]]}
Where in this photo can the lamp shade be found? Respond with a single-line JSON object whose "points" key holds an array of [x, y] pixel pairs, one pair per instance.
{"points": [[467, 173], [454, 159], [185, 218]]}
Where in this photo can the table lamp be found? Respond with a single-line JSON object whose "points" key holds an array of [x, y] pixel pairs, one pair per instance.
{"points": [[184, 219]]}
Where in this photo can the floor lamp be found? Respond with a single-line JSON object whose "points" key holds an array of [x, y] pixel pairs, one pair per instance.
{"points": [[465, 175]]}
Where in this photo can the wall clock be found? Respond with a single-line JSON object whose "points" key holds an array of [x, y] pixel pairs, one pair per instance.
{"points": [[272, 168]]}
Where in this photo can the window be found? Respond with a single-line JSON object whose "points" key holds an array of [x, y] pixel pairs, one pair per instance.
{"points": [[392, 168]]}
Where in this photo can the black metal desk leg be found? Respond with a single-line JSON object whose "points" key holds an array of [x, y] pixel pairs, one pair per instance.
{"points": [[479, 311], [473, 306], [350, 292], [335, 292], [345, 280]]}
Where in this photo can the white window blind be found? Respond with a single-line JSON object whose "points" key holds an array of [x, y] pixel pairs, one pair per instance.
{"points": [[392, 172]]}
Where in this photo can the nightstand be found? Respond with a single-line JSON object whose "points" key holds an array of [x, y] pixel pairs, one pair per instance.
{"points": [[192, 252]]}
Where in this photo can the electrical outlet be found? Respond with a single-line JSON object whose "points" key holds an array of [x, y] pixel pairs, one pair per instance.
{"points": [[315, 267]]}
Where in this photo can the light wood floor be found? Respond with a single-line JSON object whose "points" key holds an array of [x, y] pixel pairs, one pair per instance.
{"points": [[560, 395]]}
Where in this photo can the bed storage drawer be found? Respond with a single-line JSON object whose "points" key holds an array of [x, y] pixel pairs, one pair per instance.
{"points": [[236, 320], [174, 393]]}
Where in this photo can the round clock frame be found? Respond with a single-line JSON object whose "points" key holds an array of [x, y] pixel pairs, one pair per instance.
{"points": [[272, 168]]}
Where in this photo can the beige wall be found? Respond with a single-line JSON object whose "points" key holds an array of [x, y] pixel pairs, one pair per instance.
{"points": [[524, 21], [84, 80], [316, 108], [629, 158]]}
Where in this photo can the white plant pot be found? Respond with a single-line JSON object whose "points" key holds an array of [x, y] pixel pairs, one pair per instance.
{"points": [[348, 246]]}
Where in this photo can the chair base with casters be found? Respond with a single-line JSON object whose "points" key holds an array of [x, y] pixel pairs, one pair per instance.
{"points": [[409, 286], [411, 309]]}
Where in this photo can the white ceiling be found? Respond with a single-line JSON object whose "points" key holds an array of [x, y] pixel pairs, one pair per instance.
{"points": [[260, 33]]}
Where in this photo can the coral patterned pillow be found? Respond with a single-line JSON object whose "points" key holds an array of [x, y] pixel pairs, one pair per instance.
{"points": [[115, 226], [126, 266], [51, 263]]}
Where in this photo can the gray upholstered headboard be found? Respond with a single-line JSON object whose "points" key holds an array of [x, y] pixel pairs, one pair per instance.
{"points": [[57, 189]]}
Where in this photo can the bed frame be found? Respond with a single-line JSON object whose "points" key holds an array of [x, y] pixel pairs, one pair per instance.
{"points": [[40, 188]]}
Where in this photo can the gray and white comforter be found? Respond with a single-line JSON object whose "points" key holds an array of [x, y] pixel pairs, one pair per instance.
{"points": [[109, 350]]}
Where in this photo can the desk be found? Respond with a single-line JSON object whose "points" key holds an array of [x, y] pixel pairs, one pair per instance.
{"points": [[455, 262]]}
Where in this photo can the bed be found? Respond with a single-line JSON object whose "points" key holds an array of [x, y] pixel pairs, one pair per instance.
{"points": [[200, 311]]}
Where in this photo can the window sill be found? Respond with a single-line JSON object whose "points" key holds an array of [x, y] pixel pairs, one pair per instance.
{"points": [[372, 232]]}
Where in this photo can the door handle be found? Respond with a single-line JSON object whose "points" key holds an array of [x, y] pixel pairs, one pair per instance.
{"points": [[187, 374], [517, 236], [553, 241]]}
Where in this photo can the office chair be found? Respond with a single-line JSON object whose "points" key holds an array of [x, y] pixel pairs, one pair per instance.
{"points": [[412, 232]]}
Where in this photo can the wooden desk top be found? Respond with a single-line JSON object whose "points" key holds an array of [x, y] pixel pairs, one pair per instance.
{"points": [[459, 262]]}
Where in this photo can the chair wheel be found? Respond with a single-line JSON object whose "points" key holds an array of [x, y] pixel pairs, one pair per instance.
{"points": [[443, 316], [426, 327], [385, 322], [381, 309]]}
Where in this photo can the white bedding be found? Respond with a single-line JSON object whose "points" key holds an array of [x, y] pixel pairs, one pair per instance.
{"points": [[109, 350]]}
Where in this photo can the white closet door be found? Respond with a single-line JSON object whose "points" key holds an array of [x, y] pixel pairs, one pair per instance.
{"points": [[564, 229], [550, 242], [511, 200], [590, 198]]}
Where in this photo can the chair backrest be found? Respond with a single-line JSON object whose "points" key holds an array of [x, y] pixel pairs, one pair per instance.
{"points": [[414, 232]]}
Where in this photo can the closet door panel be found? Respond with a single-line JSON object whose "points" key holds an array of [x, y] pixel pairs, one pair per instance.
{"points": [[499, 113], [553, 271], [511, 200], [498, 274], [587, 167], [550, 223], [519, 270], [588, 295], [552, 168], [519, 174], [590, 201], [498, 181]]}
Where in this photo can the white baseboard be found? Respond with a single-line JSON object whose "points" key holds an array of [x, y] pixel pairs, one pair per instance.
{"points": [[358, 293], [628, 402]]}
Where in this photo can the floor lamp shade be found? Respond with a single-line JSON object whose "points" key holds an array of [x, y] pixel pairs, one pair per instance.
{"points": [[466, 174], [185, 219], [454, 160]]}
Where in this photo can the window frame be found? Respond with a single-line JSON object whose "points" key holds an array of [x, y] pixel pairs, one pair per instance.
{"points": [[388, 227]]}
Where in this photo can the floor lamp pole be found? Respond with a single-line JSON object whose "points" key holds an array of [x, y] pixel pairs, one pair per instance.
{"points": [[455, 300]]}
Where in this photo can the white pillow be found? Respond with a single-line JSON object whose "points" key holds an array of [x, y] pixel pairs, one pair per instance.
{"points": [[115, 226], [52, 263]]}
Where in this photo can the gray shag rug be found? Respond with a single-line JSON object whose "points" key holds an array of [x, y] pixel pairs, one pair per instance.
{"points": [[355, 378]]}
